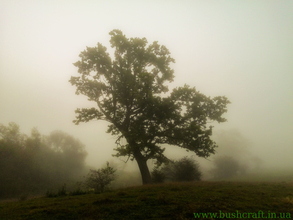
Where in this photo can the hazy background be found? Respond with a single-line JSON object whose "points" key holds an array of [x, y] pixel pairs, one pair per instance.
{"points": [[240, 49]]}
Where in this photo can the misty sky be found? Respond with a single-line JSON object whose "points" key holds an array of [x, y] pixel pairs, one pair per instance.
{"points": [[240, 49]]}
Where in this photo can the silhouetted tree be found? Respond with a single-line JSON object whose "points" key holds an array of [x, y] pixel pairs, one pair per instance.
{"points": [[11, 134], [71, 149], [128, 93], [14, 165]]}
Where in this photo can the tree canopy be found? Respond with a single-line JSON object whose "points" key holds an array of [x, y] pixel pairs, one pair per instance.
{"points": [[32, 164], [128, 91]]}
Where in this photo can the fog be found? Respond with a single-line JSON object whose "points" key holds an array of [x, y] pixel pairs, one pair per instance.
{"points": [[239, 49]]}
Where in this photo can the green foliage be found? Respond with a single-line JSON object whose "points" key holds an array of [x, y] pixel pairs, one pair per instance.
{"points": [[128, 91], [11, 135], [100, 179], [69, 149], [185, 169], [32, 164], [158, 176]]}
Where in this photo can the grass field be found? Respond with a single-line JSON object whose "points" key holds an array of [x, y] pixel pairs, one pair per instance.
{"points": [[163, 201]]}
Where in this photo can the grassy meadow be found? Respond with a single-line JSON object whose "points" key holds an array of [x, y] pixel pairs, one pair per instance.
{"points": [[161, 201]]}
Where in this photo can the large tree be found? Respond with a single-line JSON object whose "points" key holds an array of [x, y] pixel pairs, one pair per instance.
{"points": [[128, 92]]}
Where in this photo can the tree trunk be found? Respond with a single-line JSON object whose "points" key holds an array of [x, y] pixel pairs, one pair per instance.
{"points": [[144, 170]]}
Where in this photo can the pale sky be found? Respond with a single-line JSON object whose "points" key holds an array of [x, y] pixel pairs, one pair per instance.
{"points": [[240, 49]]}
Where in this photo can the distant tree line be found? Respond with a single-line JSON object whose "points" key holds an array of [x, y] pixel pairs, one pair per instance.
{"points": [[33, 164]]}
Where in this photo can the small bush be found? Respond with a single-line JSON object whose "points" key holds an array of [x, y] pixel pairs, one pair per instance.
{"points": [[158, 176], [185, 169], [100, 179]]}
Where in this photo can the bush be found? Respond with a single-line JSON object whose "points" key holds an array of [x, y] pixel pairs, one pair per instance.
{"points": [[158, 176], [100, 179], [185, 169]]}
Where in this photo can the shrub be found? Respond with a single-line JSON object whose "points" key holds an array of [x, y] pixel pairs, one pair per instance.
{"points": [[158, 176], [185, 169], [100, 179]]}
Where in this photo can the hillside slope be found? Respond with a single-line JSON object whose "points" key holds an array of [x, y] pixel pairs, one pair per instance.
{"points": [[163, 201]]}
